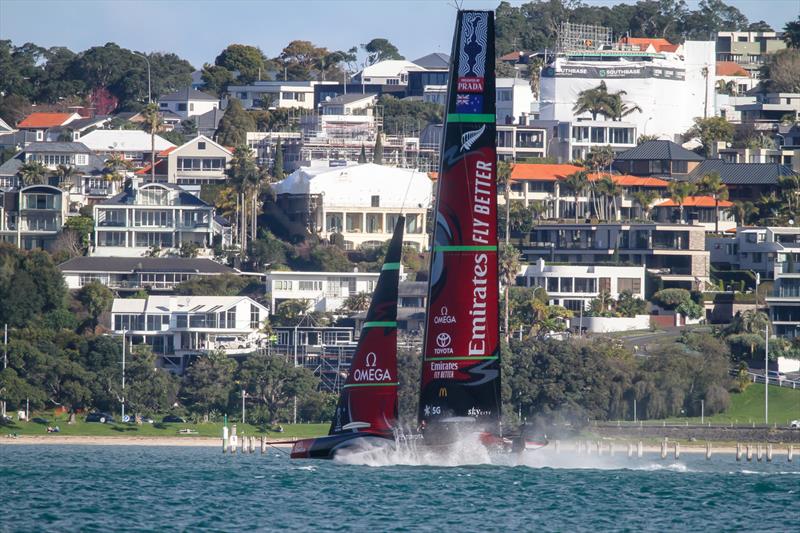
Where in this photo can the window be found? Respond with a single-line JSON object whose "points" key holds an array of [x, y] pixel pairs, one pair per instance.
{"points": [[191, 106], [605, 284], [164, 105], [201, 145], [111, 238], [758, 257], [283, 285], [201, 164], [376, 200], [181, 107], [585, 285], [598, 135], [392, 81], [503, 95], [310, 285], [574, 305], [254, 317], [631, 285], [680, 167], [566, 285], [580, 133], [621, 135], [552, 284], [181, 321], [154, 322], [412, 224], [81, 159]]}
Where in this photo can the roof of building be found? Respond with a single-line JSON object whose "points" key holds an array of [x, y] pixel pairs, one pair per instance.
{"points": [[695, 201], [187, 93], [512, 56], [541, 172], [144, 264], [434, 61], [209, 120], [660, 45], [625, 180], [17, 138], [169, 304], [123, 141], [658, 150], [349, 98], [4, 127], [354, 185], [45, 120], [388, 68], [730, 68], [184, 198], [741, 173], [94, 165]]}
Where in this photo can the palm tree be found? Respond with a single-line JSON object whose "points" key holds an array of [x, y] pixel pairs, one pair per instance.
{"points": [[679, 191], [65, 174], [114, 164], [618, 109], [245, 176], [645, 198], [724, 87], [609, 189], [152, 124], [712, 185], [769, 206], [509, 268], [504, 180], [742, 212], [32, 173], [790, 191], [577, 183], [594, 101]]}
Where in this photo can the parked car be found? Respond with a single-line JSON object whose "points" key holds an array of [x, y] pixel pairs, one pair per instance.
{"points": [[774, 375], [103, 418], [173, 419], [39, 420], [794, 424]]}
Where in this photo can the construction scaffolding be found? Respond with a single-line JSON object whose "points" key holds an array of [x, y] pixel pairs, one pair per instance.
{"points": [[583, 38]]}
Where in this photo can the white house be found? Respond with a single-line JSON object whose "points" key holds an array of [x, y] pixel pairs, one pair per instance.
{"points": [[178, 328], [574, 286], [389, 72], [276, 94], [32, 217], [197, 162], [154, 215], [362, 202], [188, 102], [324, 291], [770, 251], [133, 145], [514, 98]]}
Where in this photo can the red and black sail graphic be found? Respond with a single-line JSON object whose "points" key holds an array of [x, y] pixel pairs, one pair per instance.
{"points": [[368, 402], [461, 366]]}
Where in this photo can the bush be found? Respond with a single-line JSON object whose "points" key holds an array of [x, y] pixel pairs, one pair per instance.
{"points": [[691, 310], [671, 298]]}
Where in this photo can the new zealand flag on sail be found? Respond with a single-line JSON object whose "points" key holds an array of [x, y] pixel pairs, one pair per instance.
{"points": [[469, 103]]}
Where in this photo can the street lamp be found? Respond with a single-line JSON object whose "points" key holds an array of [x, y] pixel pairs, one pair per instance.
{"points": [[149, 92], [123, 376]]}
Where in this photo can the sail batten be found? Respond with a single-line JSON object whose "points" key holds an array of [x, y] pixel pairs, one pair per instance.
{"points": [[461, 366]]}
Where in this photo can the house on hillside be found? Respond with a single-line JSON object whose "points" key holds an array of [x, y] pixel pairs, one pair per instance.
{"points": [[702, 210], [199, 161], [32, 217], [188, 103], [131, 145], [40, 123], [657, 158], [745, 181]]}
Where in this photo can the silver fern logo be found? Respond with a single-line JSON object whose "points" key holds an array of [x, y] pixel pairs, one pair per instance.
{"points": [[469, 138], [472, 49]]}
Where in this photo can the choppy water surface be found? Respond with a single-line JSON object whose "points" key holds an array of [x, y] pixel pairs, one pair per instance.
{"points": [[102, 488]]}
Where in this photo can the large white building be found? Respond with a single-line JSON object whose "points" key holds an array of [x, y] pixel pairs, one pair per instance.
{"points": [[324, 291], [276, 94], [133, 145], [671, 85], [361, 202], [180, 327], [575, 286], [514, 100]]}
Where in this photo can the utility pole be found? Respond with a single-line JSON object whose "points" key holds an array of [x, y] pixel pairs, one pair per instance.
{"points": [[149, 91], [244, 395], [5, 365], [766, 373], [123, 375]]}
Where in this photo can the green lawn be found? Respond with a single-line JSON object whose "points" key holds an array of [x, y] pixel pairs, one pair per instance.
{"points": [[210, 429], [748, 407]]}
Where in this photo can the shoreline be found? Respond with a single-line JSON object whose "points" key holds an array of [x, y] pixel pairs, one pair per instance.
{"points": [[79, 440]]}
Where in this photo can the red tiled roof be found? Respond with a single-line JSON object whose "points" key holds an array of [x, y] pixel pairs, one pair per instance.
{"points": [[660, 45], [166, 151], [696, 201], [512, 56], [44, 120], [160, 168], [541, 172], [730, 68]]}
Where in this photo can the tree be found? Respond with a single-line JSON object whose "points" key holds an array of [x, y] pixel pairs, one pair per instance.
{"points": [[217, 79], [379, 49], [302, 60], [149, 389], [32, 173], [595, 101], [97, 298], [791, 33], [356, 302], [645, 199], [289, 312], [789, 186], [235, 123], [208, 384], [743, 212], [176, 137], [712, 185], [153, 122], [577, 183], [509, 266], [710, 131], [782, 71], [726, 87], [377, 151], [221, 285], [188, 249], [646, 138], [277, 169], [401, 116], [249, 61], [671, 298], [65, 174], [274, 382], [679, 191], [246, 177], [618, 109]]}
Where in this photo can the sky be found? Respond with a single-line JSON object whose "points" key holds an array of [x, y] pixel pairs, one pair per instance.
{"points": [[198, 30]]}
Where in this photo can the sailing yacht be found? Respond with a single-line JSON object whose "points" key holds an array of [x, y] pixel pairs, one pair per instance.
{"points": [[366, 414]]}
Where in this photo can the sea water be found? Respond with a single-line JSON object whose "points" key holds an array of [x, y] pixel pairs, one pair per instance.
{"points": [[126, 488]]}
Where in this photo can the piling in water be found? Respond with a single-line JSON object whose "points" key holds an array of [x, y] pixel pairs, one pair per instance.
{"points": [[749, 453], [556, 445], [790, 453], [769, 453], [708, 451], [263, 444], [738, 451], [639, 450], [759, 453], [677, 451], [663, 449], [630, 450], [599, 448]]}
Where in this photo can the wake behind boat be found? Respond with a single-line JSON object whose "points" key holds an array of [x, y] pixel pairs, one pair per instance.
{"points": [[366, 414]]}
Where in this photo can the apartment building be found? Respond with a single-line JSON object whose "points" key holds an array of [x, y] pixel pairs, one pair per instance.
{"points": [[154, 216], [522, 141], [674, 253], [276, 94], [576, 139], [700, 210], [575, 286], [657, 158], [360, 202], [132, 274], [770, 109], [180, 328], [32, 217], [770, 251], [748, 48], [784, 305]]}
